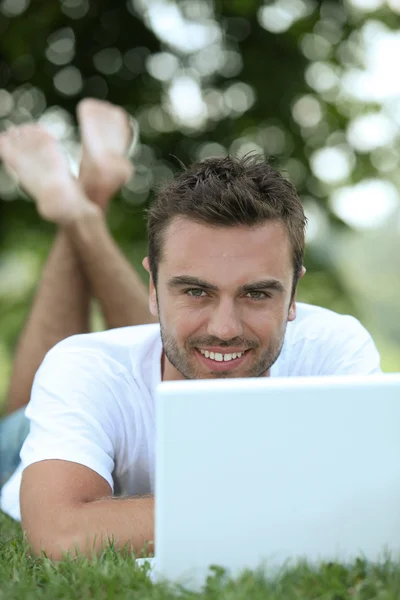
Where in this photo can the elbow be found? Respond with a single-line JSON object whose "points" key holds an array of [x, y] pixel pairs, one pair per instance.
{"points": [[54, 551], [56, 548]]}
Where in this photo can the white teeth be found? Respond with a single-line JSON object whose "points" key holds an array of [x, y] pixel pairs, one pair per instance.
{"points": [[217, 356]]}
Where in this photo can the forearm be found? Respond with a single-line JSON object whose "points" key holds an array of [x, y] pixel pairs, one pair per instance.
{"points": [[128, 521], [60, 309], [122, 294]]}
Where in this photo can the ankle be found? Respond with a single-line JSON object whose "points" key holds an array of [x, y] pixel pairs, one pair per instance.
{"points": [[102, 179], [85, 212]]}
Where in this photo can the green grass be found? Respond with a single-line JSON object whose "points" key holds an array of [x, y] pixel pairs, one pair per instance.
{"points": [[113, 576]]}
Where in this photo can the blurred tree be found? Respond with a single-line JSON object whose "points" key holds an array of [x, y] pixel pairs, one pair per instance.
{"points": [[202, 79]]}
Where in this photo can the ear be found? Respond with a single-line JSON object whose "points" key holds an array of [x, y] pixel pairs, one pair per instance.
{"points": [[146, 263], [153, 306], [302, 272], [292, 308]]}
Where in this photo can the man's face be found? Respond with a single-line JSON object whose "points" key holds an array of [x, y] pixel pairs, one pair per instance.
{"points": [[223, 299]]}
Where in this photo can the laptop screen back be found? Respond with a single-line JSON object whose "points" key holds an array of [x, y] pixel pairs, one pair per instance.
{"points": [[249, 471]]}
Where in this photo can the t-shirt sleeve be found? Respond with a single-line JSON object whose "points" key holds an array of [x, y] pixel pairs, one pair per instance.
{"points": [[73, 411], [351, 351]]}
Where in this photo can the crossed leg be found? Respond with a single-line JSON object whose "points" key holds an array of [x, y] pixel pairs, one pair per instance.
{"points": [[84, 260]]}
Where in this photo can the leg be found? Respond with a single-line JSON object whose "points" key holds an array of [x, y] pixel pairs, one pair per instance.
{"points": [[61, 305], [105, 134], [13, 431]]}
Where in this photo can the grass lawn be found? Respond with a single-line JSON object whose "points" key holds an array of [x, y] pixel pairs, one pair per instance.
{"points": [[113, 576]]}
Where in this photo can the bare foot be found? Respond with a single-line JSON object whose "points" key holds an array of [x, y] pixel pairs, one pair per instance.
{"points": [[105, 135], [42, 170]]}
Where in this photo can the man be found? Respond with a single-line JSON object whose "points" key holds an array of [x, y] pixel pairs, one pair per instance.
{"points": [[226, 244]]}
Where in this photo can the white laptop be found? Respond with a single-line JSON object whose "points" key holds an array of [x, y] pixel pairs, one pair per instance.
{"points": [[262, 472]]}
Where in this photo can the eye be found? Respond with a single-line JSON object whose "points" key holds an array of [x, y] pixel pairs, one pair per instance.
{"points": [[257, 295], [195, 292]]}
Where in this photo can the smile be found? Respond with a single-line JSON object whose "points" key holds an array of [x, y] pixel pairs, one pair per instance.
{"points": [[218, 357]]}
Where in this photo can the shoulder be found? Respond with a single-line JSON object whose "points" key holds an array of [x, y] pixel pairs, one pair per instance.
{"points": [[313, 323], [115, 342], [320, 341], [90, 377], [113, 346], [104, 359]]}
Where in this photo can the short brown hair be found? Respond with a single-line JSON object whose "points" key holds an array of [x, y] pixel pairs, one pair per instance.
{"points": [[227, 192]]}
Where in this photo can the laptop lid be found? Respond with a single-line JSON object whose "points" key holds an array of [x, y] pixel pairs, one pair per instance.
{"points": [[253, 472]]}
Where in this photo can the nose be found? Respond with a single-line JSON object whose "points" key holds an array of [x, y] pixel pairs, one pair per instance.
{"points": [[225, 322]]}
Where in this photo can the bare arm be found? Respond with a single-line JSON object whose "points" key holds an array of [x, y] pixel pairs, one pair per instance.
{"points": [[60, 309], [61, 511], [121, 292], [129, 521]]}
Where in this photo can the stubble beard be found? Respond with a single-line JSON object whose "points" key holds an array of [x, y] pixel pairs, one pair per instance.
{"points": [[178, 359]]}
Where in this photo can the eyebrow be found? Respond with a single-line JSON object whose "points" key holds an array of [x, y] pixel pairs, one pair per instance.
{"points": [[264, 284]]}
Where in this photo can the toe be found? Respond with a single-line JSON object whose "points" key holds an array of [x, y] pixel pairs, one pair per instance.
{"points": [[88, 104]]}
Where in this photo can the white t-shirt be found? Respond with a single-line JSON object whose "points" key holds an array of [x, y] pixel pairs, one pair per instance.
{"points": [[93, 397]]}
